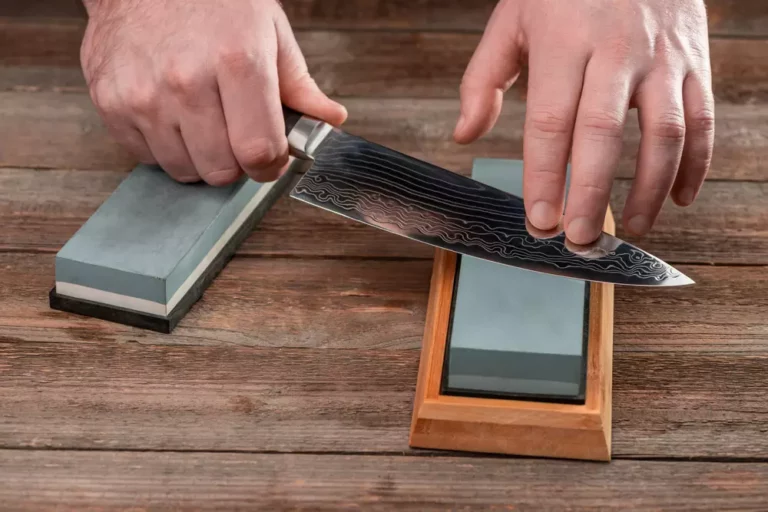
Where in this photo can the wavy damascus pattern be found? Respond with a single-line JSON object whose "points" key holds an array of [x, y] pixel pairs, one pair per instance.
{"points": [[402, 195]]}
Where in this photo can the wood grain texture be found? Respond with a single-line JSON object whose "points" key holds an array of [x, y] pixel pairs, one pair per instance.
{"points": [[41, 210], [303, 355], [310, 354], [135, 395], [43, 9], [726, 17], [382, 304], [45, 55], [204, 481], [52, 130], [256, 302]]}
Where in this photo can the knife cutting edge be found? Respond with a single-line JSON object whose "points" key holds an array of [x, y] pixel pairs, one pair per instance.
{"points": [[369, 183]]}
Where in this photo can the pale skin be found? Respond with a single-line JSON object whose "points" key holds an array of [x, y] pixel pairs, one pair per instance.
{"points": [[197, 88]]}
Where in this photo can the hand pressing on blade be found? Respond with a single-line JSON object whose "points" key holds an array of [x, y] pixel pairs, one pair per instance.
{"points": [[198, 87], [590, 61]]}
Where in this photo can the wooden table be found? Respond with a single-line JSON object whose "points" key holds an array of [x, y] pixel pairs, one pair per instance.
{"points": [[289, 386]]}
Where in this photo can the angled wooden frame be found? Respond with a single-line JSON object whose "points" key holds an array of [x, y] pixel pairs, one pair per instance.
{"points": [[492, 425]]}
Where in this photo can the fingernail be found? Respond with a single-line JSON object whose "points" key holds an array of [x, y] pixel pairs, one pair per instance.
{"points": [[543, 215], [639, 225], [686, 196], [582, 231]]}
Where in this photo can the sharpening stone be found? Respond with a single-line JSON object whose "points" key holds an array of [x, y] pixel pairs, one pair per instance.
{"points": [[153, 247], [515, 333]]}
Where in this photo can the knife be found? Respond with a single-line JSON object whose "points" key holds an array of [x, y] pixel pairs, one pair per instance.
{"points": [[369, 183]]}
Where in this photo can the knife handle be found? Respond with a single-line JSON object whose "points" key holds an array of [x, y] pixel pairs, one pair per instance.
{"points": [[291, 117]]}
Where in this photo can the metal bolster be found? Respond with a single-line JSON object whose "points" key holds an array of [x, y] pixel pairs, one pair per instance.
{"points": [[306, 137]]}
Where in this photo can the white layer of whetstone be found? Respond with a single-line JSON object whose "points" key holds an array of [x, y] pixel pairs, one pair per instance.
{"points": [[155, 308], [148, 244]]}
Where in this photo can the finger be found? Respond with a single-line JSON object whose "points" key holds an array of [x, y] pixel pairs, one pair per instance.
{"points": [[597, 142], [699, 108], [169, 151], [131, 139], [250, 95], [297, 88], [493, 69], [662, 123], [554, 86], [204, 131]]}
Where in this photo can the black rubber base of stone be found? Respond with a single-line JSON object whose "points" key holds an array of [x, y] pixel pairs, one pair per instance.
{"points": [[167, 324], [113, 314]]}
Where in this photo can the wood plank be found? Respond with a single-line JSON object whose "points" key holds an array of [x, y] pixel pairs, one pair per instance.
{"points": [[726, 17], [322, 355], [203, 481], [382, 304], [738, 17], [141, 396], [41, 210], [100, 394], [43, 9], [256, 302], [726, 225], [53, 130], [45, 55], [723, 311]]}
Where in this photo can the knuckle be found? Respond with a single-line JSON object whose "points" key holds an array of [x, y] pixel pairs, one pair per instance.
{"points": [[548, 124], [669, 129], [105, 99], [546, 176], [236, 59], [603, 124], [257, 153], [592, 188], [142, 101], [702, 121], [621, 50], [184, 80]]}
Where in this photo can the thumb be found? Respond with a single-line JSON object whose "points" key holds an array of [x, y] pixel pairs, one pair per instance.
{"points": [[493, 69], [297, 88]]}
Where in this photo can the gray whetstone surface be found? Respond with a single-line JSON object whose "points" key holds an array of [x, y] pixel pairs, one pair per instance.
{"points": [[515, 331], [153, 234], [149, 235]]}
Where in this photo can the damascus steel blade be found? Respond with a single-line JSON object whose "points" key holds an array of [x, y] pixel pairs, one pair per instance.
{"points": [[380, 187]]}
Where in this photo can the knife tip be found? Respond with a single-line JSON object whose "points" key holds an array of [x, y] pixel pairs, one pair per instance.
{"points": [[679, 280]]}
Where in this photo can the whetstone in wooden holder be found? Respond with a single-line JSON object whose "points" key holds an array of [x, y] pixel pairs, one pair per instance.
{"points": [[513, 361]]}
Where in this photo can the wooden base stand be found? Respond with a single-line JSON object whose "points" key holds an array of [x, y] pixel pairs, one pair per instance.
{"points": [[492, 425]]}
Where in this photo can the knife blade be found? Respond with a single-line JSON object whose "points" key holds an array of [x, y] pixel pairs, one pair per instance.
{"points": [[378, 186]]}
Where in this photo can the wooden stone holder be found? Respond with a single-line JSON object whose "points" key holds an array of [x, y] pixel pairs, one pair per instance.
{"points": [[516, 427]]}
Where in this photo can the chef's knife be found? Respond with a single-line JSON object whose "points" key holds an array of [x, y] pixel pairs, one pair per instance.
{"points": [[369, 183]]}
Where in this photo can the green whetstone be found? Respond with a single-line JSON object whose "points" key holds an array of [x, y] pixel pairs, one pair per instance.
{"points": [[148, 253], [515, 333]]}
